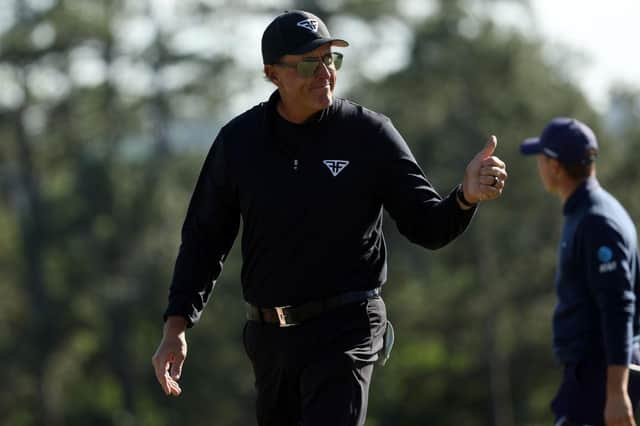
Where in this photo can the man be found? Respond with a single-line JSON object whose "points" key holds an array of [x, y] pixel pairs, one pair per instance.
{"points": [[595, 324], [309, 174]]}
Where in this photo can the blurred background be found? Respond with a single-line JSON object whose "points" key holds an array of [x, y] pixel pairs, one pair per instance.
{"points": [[108, 108]]}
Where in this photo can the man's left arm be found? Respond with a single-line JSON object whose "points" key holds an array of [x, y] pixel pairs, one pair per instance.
{"points": [[608, 270], [421, 214]]}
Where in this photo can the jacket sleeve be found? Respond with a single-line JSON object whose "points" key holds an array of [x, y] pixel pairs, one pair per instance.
{"points": [[608, 260], [421, 214], [208, 233]]}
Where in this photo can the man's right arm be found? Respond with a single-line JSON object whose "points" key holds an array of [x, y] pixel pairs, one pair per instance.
{"points": [[208, 233], [209, 230]]}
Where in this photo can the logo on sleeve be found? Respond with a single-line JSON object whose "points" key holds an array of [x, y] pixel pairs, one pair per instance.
{"points": [[310, 24], [605, 256], [336, 166]]}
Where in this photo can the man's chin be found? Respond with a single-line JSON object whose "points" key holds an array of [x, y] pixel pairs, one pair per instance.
{"points": [[325, 101]]}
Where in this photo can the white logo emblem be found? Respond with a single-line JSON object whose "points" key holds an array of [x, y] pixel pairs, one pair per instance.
{"points": [[335, 166], [608, 267], [310, 24]]}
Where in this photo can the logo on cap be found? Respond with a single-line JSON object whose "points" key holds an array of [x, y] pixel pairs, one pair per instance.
{"points": [[309, 24]]}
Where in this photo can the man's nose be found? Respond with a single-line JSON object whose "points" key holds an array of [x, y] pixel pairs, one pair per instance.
{"points": [[323, 70]]}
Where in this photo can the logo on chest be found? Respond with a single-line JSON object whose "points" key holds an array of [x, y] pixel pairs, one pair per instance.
{"points": [[336, 166]]}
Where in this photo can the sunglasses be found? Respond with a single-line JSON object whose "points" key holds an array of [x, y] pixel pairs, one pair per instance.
{"points": [[308, 66]]}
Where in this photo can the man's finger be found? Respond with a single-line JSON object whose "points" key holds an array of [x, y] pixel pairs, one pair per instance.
{"points": [[493, 161], [488, 149], [176, 367], [489, 192], [623, 421], [173, 386], [161, 376], [489, 180], [493, 171]]}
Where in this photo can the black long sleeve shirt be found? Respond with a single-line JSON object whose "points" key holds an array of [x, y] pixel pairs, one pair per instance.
{"points": [[311, 201]]}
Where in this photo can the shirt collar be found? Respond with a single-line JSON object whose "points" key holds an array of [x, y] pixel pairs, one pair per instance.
{"points": [[319, 120], [580, 195]]}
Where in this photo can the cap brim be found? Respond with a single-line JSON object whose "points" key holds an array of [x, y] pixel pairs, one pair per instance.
{"points": [[317, 43], [531, 146]]}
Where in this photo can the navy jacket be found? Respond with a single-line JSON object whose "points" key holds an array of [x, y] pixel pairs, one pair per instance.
{"points": [[312, 221], [597, 281]]}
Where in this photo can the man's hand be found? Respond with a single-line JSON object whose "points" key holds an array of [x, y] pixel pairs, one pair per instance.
{"points": [[485, 175], [170, 355], [618, 410]]}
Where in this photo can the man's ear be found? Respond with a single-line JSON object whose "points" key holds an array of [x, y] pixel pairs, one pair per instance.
{"points": [[556, 167], [271, 74]]}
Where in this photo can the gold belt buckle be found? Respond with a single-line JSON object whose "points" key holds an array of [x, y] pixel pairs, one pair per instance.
{"points": [[282, 319]]}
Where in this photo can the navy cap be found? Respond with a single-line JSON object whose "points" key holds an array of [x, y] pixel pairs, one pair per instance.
{"points": [[293, 33], [566, 139]]}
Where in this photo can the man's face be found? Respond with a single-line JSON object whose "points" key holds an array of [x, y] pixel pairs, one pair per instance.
{"points": [[547, 169], [305, 95]]}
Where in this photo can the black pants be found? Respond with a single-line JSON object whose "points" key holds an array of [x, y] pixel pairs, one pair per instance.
{"points": [[318, 372], [582, 395]]}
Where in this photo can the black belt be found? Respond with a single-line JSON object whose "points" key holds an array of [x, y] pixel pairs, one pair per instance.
{"points": [[286, 316]]}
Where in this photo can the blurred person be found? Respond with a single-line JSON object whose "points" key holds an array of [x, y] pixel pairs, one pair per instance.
{"points": [[309, 175], [595, 323]]}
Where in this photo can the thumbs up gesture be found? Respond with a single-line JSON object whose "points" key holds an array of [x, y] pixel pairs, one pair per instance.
{"points": [[485, 175]]}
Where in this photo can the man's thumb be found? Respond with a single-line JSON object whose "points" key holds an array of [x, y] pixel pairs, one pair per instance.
{"points": [[489, 148]]}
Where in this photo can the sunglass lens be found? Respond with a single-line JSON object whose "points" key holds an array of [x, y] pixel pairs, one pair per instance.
{"points": [[307, 69], [337, 60]]}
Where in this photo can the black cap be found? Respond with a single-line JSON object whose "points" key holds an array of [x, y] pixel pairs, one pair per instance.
{"points": [[293, 33]]}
